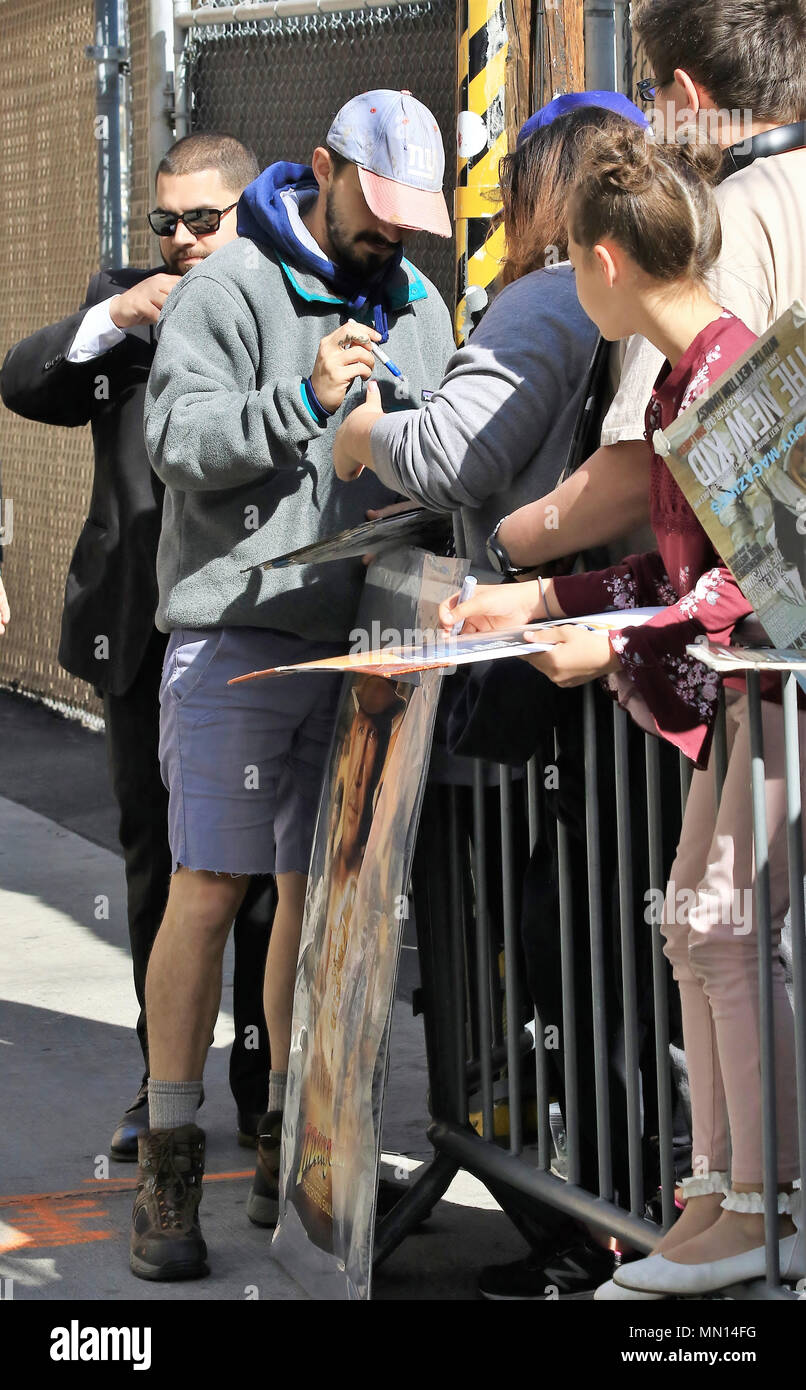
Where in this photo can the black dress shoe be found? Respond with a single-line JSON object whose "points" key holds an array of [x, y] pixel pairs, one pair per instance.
{"points": [[247, 1128], [133, 1123]]}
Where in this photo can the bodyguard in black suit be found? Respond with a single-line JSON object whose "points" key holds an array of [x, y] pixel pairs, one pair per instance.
{"points": [[74, 373]]}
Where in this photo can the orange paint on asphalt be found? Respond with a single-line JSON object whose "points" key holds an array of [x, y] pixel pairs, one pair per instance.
{"points": [[42, 1219]]}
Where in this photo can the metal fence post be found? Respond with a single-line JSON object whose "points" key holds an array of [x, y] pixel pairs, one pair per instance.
{"points": [[766, 1010], [600, 1049], [660, 992], [160, 81], [794, 829], [109, 56], [182, 112], [600, 45], [629, 992]]}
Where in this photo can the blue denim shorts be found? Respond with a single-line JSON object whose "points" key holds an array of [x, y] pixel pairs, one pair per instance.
{"points": [[243, 764]]}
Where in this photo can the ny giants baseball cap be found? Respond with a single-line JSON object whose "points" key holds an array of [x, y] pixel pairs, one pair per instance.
{"points": [[395, 142]]}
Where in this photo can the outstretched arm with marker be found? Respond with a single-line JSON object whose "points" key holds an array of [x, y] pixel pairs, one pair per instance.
{"points": [[578, 655]]}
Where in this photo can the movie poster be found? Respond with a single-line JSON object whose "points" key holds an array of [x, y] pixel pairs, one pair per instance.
{"points": [[739, 456], [347, 969]]}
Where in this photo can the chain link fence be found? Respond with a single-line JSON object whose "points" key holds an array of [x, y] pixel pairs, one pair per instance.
{"points": [[277, 84], [48, 251]]}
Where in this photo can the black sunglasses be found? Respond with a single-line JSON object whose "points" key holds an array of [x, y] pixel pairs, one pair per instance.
{"points": [[199, 221], [649, 87]]}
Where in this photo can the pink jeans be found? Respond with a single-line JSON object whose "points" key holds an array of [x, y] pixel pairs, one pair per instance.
{"points": [[709, 922]]}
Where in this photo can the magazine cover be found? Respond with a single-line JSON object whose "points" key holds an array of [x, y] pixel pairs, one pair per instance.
{"points": [[739, 456], [348, 960]]}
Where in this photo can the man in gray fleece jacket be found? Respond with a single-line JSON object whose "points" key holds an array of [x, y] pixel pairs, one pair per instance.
{"points": [[256, 360]]}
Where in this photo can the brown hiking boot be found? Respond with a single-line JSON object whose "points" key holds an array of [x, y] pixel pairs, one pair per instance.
{"points": [[263, 1203], [166, 1239]]}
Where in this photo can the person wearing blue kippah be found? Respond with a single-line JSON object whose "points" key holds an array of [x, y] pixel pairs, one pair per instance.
{"points": [[576, 101], [497, 431]]}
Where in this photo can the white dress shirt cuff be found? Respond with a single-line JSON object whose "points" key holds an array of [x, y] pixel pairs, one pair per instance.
{"points": [[96, 334]]}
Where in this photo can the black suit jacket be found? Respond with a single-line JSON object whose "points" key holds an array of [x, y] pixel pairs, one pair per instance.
{"points": [[111, 588]]}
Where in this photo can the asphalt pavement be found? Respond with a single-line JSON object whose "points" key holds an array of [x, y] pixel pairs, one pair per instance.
{"points": [[70, 1062]]}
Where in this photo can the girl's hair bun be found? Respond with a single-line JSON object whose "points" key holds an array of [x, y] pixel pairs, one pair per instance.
{"points": [[622, 164], [654, 199]]}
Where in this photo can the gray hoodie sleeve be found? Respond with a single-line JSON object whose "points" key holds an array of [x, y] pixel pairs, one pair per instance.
{"points": [[497, 403], [207, 426]]}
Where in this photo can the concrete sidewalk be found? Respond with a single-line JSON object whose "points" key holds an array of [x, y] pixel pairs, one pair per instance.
{"points": [[71, 1060]]}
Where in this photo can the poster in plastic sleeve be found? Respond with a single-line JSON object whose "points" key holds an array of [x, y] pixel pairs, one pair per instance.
{"points": [[354, 913], [739, 456]]}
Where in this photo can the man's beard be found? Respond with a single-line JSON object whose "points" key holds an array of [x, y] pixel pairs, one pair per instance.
{"points": [[359, 261], [173, 262]]}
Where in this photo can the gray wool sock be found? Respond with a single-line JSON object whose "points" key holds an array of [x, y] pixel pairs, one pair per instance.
{"points": [[277, 1080], [172, 1104]]}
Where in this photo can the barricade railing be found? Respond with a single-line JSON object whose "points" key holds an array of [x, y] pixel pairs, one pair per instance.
{"points": [[480, 1023]]}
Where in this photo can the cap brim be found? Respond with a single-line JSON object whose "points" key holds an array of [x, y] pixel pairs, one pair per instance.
{"points": [[404, 206]]}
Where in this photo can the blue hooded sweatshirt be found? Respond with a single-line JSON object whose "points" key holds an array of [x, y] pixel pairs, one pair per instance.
{"points": [[263, 216]]}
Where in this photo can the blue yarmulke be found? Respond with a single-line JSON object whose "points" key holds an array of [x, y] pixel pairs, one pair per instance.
{"points": [[560, 106]]}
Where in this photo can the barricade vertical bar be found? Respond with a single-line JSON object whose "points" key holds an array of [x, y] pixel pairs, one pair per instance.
{"points": [[720, 749], [510, 974], [541, 1061], [597, 950], [794, 830], [482, 952], [532, 801], [660, 993], [457, 966], [629, 989], [766, 1017], [571, 1115]]}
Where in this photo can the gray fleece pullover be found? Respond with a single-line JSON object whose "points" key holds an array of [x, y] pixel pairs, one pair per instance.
{"points": [[247, 469], [497, 432]]}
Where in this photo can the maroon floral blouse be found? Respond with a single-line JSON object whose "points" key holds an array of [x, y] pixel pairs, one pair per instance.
{"points": [[685, 574]]}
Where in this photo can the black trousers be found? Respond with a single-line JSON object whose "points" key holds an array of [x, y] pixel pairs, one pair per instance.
{"points": [[132, 744]]}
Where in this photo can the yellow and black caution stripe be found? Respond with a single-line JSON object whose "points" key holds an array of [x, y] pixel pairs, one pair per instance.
{"points": [[482, 50]]}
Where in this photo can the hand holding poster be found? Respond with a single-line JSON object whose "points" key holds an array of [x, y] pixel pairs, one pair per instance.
{"points": [[440, 651]]}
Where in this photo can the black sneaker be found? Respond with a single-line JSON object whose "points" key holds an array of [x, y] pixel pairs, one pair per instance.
{"points": [[574, 1271], [263, 1202], [166, 1239]]}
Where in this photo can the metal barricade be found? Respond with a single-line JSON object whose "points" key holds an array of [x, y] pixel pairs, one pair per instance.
{"points": [[477, 1019]]}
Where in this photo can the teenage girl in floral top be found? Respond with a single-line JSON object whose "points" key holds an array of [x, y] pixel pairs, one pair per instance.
{"points": [[644, 233]]}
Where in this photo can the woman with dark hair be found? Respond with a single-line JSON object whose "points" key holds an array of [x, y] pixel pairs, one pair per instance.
{"points": [[497, 431]]}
